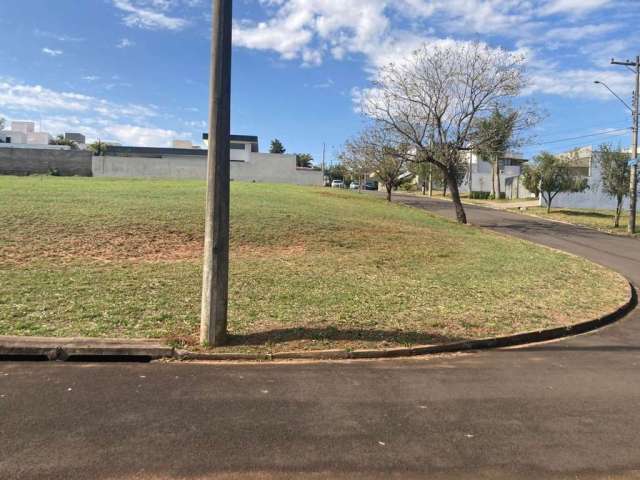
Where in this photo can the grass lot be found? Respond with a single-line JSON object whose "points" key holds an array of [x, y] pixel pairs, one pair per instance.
{"points": [[311, 268], [600, 219]]}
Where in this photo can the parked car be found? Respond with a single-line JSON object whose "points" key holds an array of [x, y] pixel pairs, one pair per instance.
{"points": [[354, 186], [337, 184], [371, 186]]}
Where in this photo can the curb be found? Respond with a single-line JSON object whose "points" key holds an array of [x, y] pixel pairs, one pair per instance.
{"points": [[79, 349], [86, 349]]}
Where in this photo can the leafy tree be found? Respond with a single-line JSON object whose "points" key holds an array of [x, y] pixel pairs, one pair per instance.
{"points": [[277, 147], [433, 100], [304, 160], [494, 136], [549, 176], [615, 175], [60, 140], [98, 148], [337, 171]]}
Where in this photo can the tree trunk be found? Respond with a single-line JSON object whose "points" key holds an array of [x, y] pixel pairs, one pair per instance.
{"points": [[498, 187], [548, 200], [389, 189], [493, 180], [424, 185], [616, 223], [452, 181], [430, 181], [444, 188]]}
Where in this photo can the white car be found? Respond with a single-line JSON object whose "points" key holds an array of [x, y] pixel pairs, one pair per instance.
{"points": [[337, 184], [354, 186]]}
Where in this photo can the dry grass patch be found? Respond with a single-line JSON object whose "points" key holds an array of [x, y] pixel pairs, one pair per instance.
{"points": [[311, 268]]}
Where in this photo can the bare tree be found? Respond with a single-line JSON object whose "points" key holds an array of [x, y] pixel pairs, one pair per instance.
{"points": [[376, 150], [433, 100]]}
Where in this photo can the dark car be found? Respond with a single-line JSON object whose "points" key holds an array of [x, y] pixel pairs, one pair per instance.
{"points": [[371, 186]]}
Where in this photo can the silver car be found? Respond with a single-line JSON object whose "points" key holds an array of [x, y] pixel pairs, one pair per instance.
{"points": [[337, 184]]}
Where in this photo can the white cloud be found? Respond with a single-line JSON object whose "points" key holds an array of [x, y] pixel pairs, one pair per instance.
{"points": [[52, 52], [125, 43], [18, 96], [90, 78], [580, 82], [573, 6], [129, 124], [142, 136], [149, 14]]}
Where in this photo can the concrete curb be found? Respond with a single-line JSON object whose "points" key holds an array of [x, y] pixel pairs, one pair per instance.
{"points": [[70, 349], [88, 349]]}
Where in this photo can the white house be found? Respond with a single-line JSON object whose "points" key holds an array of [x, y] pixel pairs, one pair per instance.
{"points": [[247, 163], [23, 133], [480, 177], [585, 160]]}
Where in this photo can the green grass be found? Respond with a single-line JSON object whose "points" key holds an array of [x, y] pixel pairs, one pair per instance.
{"points": [[599, 219], [310, 268]]}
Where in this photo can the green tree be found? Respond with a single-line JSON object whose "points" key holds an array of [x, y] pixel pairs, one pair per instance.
{"points": [[98, 148], [549, 175], [304, 160], [337, 171], [615, 175], [277, 147], [493, 137], [60, 140]]}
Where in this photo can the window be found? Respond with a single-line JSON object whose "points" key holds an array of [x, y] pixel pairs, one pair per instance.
{"points": [[237, 146]]}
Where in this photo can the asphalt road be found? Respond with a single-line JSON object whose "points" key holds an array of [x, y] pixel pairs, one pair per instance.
{"points": [[569, 409]]}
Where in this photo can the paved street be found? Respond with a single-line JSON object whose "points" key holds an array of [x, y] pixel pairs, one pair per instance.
{"points": [[569, 409]]}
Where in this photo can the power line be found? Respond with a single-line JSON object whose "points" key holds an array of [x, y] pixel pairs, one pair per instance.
{"points": [[560, 140]]}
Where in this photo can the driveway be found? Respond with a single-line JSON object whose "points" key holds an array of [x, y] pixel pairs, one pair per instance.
{"points": [[569, 409]]}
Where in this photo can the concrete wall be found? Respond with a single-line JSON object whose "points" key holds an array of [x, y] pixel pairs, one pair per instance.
{"points": [[261, 167], [593, 198], [27, 161]]}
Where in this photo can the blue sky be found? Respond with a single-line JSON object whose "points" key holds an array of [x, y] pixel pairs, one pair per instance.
{"points": [[136, 71]]}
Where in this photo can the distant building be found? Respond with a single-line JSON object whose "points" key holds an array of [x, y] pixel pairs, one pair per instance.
{"points": [[24, 134], [247, 163], [187, 144], [585, 162], [79, 138]]}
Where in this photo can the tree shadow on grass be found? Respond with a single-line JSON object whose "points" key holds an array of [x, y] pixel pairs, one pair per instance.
{"points": [[333, 334], [578, 213]]}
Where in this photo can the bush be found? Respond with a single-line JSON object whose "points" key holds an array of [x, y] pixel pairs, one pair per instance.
{"points": [[480, 195]]}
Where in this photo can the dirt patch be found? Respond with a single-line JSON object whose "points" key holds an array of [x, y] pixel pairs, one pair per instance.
{"points": [[138, 245], [271, 251], [131, 245]]}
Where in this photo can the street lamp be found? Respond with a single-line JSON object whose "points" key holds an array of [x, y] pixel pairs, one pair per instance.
{"points": [[598, 82], [633, 163]]}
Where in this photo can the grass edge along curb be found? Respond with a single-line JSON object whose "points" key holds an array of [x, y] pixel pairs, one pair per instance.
{"points": [[87, 349]]}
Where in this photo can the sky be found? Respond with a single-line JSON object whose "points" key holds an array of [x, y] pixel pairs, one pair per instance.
{"points": [[136, 71]]}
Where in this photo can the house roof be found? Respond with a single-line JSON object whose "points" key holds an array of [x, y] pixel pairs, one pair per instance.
{"points": [[237, 138]]}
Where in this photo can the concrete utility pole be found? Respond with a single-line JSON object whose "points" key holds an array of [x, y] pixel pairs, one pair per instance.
{"points": [[215, 283], [633, 187]]}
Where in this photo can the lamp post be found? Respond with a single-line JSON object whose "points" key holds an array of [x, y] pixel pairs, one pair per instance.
{"points": [[215, 284], [633, 186]]}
